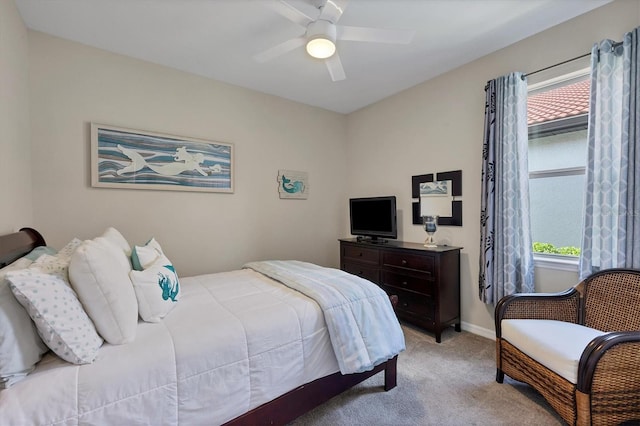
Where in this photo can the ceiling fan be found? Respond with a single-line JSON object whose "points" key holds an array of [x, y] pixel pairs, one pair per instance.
{"points": [[322, 33]]}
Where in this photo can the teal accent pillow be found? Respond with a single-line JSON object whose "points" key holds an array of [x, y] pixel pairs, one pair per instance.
{"points": [[143, 256], [39, 251]]}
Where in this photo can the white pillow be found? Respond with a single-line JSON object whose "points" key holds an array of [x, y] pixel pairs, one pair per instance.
{"points": [[99, 273], [157, 289], [20, 345], [57, 313], [144, 256], [114, 236]]}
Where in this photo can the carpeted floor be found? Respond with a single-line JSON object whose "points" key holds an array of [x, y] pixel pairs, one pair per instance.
{"points": [[451, 383]]}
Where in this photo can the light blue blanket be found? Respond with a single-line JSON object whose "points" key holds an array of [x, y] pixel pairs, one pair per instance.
{"points": [[363, 328]]}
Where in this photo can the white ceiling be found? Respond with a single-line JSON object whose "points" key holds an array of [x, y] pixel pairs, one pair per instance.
{"points": [[218, 39]]}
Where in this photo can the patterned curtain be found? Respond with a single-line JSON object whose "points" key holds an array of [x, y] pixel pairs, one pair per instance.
{"points": [[506, 256], [611, 232]]}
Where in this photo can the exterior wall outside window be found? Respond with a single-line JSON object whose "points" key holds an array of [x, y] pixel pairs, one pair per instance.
{"points": [[556, 200]]}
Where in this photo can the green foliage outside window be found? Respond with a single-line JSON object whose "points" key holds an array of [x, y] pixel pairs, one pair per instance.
{"points": [[551, 249]]}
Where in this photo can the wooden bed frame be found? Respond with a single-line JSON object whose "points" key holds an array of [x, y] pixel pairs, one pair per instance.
{"points": [[281, 410]]}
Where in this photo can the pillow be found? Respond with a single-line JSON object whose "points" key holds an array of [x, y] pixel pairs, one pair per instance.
{"points": [[144, 256], [157, 289], [61, 322], [67, 251], [57, 264], [39, 251], [54, 265], [99, 273], [114, 236], [20, 345]]}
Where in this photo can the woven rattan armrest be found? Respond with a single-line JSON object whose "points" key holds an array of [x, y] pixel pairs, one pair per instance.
{"points": [[563, 306], [613, 357]]}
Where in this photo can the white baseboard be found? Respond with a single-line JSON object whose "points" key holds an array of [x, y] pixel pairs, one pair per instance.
{"points": [[480, 331]]}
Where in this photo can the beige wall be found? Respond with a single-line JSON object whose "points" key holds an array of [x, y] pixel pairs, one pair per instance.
{"points": [[15, 162], [437, 126], [73, 85]]}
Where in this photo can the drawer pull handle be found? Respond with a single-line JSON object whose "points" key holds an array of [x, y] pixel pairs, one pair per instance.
{"points": [[405, 304], [404, 262], [404, 283]]}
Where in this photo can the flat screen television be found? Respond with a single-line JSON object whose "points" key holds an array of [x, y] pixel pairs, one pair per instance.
{"points": [[373, 217]]}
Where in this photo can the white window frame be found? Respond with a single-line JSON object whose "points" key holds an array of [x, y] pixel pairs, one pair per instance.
{"points": [[547, 260]]}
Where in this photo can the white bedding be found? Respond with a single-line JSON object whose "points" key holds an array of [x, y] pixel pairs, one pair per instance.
{"points": [[211, 359], [362, 326]]}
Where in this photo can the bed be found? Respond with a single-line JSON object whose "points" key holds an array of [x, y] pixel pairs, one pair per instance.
{"points": [[213, 359]]}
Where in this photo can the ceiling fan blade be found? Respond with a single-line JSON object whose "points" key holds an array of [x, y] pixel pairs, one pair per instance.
{"points": [[279, 49], [334, 65], [333, 10], [293, 14], [377, 35]]}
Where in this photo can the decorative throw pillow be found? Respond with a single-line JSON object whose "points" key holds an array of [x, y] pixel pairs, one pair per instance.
{"points": [[144, 256], [57, 264], [57, 313], [20, 345], [157, 289], [39, 251], [54, 265], [99, 273], [67, 250]]}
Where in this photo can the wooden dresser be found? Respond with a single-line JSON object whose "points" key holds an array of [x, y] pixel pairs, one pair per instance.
{"points": [[426, 280]]}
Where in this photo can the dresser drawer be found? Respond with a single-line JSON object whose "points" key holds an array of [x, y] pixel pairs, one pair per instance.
{"points": [[362, 270], [426, 281], [361, 254], [409, 261], [413, 304], [408, 282]]}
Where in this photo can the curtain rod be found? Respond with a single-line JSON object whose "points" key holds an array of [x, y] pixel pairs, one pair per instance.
{"points": [[613, 46]]}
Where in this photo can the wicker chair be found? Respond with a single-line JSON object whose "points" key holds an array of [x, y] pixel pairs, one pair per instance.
{"points": [[607, 389]]}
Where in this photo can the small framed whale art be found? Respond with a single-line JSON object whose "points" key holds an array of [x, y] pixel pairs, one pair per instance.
{"points": [[293, 184], [134, 159]]}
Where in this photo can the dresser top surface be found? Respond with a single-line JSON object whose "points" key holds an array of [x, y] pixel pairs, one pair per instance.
{"points": [[400, 245]]}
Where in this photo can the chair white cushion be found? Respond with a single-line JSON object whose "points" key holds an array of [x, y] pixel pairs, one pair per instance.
{"points": [[99, 273], [557, 345], [57, 314]]}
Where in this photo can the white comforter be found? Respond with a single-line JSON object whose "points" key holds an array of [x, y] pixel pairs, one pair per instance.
{"points": [[363, 328], [214, 357]]}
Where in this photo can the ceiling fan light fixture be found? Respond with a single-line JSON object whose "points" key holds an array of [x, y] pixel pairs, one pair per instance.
{"points": [[321, 39], [321, 48]]}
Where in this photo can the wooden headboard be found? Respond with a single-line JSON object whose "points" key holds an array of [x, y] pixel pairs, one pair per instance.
{"points": [[16, 245]]}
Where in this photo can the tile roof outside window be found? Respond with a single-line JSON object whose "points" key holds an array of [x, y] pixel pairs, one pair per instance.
{"points": [[562, 102]]}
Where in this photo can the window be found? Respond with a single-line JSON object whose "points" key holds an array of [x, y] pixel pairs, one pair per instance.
{"points": [[557, 113]]}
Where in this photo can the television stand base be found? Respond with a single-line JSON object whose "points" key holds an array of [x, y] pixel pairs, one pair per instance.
{"points": [[371, 240]]}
